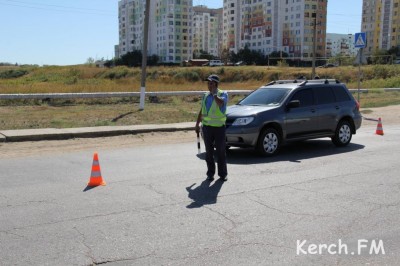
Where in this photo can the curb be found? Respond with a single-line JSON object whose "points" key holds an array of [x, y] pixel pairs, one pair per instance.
{"points": [[88, 132]]}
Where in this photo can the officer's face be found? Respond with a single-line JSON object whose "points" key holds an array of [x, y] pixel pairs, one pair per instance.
{"points": [[211, 86]]}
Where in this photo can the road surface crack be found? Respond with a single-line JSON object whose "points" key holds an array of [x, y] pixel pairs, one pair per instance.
{"points": [[286, 211], [121, 260]]}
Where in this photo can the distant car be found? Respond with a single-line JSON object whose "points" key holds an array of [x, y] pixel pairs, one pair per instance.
{"points": [[240, 63], [216, 63], [328, 65], [284, 111]]}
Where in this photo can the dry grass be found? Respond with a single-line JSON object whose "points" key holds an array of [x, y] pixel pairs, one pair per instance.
{"points": [[92, 79], [97, 112]]}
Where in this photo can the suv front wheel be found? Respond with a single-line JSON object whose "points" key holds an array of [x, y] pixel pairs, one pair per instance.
{"points": [[343, 134], [269, 142]]}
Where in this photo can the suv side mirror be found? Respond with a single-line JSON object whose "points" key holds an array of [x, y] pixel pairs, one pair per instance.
{"points": [[293, 104]]}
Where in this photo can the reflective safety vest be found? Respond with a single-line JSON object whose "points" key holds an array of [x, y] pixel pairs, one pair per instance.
{"points": [[214, 117]]}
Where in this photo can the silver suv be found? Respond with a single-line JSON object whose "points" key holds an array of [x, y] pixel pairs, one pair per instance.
{"points": [[293, 110]]}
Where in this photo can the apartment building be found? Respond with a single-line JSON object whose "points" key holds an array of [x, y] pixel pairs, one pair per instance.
{"points": [[131, 23], [177, 29], [207, 30], [260, 26], [231, 28], [302, 19], [340, 44], [172, 24], [381, 22], [170, 28], [275, 25]]}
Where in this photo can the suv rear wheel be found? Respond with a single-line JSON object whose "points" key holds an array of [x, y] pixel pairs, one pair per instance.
{"points": [[343, 134], [269, 142]]}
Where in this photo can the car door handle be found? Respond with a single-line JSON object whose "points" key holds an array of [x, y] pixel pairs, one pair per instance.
{"points": [[312, 110], [337, 107]]}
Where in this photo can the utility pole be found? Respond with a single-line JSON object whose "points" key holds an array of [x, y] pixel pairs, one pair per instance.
{"points": [[144, 55], [314, 16], [359, 74]]}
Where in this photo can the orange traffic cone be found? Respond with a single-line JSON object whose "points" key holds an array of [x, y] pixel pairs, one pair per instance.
{"points": [[379, 129], [95, 177]]}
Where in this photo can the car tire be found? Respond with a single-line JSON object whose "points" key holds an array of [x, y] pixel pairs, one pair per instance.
{"points": [[342, 134], [269, 142]]}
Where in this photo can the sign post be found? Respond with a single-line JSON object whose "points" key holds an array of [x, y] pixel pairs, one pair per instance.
{"points": [[360, 41]]}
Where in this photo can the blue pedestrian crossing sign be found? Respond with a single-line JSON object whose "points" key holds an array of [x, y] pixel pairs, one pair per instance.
{"points": [[360, 40]]}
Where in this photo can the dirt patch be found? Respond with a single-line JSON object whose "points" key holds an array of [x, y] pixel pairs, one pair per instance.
{"points": [[389, 115], [31, 148]]}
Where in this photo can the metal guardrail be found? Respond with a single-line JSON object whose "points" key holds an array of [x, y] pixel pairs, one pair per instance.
{"points": [[42, 96], [391, 89]]}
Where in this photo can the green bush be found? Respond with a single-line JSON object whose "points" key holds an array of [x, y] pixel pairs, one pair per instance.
{"points": [[255, 75], [116, 73], [13, 73], [380, 71], [233, 76], [191, 76]]}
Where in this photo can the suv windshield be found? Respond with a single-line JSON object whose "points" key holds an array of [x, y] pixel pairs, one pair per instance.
{"points": [[265, 96]]}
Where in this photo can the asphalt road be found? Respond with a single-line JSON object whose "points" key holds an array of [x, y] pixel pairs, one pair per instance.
{"points": [[156, 208]]}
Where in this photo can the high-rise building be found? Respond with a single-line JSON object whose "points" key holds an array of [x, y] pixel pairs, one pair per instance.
{"points": [[170, 28], [261, 25], [340, 44], [381, 23], [131, 23], [172, 38], [207, 30], [231, 25], [305, 19], [275, 25]]}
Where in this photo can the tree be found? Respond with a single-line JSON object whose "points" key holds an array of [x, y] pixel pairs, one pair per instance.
{"points": [[130, 59], [109, 63], [394, 53], [258, 58], [153, 60], [202, 55], [233, 57], [134, 58], [225, 55], [90, 61], [380, 57], [395, 50], [245, 55], [276, 56]]}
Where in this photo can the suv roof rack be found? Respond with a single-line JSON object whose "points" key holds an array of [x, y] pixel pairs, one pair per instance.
{"points": [[323, 81], [304, 81], [283, 81]]}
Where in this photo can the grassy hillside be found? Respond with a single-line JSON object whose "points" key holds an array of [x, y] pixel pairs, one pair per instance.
{"points": [[91, 79]]}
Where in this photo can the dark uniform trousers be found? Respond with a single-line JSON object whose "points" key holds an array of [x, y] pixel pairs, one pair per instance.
{"points": [[215, 137]]}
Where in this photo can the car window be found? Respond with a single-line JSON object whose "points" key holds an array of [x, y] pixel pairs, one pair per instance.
{"points": [[305, 97], [265, 96], [341, 94], [324, 95]]}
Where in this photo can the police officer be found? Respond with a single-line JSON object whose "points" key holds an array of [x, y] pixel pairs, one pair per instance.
{"points": [[212, 115]]}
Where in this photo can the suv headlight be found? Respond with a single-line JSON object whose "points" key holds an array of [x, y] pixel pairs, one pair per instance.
{"points": [[242, 121]]}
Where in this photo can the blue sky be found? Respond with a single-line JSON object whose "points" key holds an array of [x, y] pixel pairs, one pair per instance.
{"points": [[59, 32]]}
